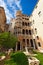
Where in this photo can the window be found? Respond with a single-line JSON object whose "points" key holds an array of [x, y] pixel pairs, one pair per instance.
{"points": [[23, 23], [39, 13], [30, 32], [27, 41], [23, 40], [28, 24], [39, 44], [26, 18], [26, 31], [31, 41], [38, 37], [18, 46], [22, 18], [19, 32], [23, 31], [36, 30]]}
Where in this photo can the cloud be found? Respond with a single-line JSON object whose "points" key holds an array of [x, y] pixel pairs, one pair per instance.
{"points": [[15, 2], [9, 3], [18, 4], [8, 14]]}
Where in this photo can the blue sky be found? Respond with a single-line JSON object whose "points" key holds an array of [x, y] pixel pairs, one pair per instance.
{"points": [[11, 6], [28, 6]]}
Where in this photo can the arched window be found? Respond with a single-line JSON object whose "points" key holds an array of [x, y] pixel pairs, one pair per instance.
{"points": [[27, 41], [23, 31], [23, 40], [38, 37], [25, 23], [31, 41], [28, 24], [39, 44], [26, 31], [30, 32]]}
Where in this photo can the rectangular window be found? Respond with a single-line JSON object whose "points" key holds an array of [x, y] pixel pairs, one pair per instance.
{"points": [[39, 44], [23, 40]]}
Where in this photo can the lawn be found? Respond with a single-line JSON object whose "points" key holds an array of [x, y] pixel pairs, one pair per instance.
{"points": [[9, 62], [40, 57]]}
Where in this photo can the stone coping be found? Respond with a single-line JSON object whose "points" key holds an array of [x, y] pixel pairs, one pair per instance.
{"points": [[2, 58]]}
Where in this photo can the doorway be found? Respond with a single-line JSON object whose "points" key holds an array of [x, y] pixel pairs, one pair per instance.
{"points": [[18, 46]]}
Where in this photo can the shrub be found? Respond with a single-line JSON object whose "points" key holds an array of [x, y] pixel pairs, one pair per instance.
{"points": [[20, 58]]}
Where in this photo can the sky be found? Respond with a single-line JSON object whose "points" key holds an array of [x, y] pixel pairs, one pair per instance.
{"points": [[11, 6]]}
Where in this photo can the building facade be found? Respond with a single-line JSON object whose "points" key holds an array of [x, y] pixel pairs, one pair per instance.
{"points": [[3, 25], [39, 43], [37, 19], [21, 26]]}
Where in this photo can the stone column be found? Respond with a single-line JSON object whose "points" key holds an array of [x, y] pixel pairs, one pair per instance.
{"points": [[33, 44], [16, 47], [29, 43], [20, 45], [26, 46]]}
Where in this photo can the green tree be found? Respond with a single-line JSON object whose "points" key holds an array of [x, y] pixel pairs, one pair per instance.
{"points": [[7, 40]]}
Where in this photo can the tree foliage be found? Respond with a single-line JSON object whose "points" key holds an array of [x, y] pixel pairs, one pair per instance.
{"points": [[7, 40]]}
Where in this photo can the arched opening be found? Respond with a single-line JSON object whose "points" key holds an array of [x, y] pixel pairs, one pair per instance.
{"points": [[30, 32], [31, 41], [28, 24], [24, 40], [25, 23], [26, 31], [39, 44], [23, 31], [27, 41]]}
